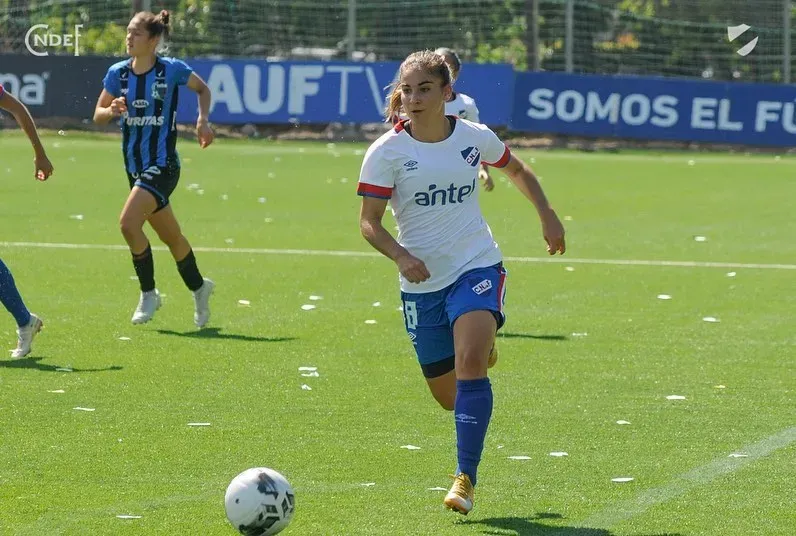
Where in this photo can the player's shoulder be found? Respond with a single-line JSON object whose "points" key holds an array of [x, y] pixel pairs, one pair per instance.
{"points": [[170, 60], [119, 65], [473, 128], [390, 141], [466, 99]]}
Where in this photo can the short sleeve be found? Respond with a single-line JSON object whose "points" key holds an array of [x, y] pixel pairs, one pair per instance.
{"points": [[111, 82], [182, 72], [493, 151], [472, 113], [376, 178]]}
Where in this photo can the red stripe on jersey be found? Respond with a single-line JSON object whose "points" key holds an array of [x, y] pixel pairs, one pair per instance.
{"points": [[2, 90], [501, 290], [399, 126], [371, 190], [503, 159]]}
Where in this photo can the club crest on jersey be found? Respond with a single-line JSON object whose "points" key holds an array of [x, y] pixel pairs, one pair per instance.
{"points": [[482, 287], [472, 156], [140, 103], [411, 165], [159, 90]]}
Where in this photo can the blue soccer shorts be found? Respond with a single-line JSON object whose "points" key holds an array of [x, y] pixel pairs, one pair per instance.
{"points": [[429, 316]]}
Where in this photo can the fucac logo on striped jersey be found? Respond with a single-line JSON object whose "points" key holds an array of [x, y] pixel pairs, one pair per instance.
{"points": [[471, 155]]}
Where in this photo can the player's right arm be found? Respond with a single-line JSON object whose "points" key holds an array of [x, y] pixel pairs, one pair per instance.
{"points": [[370, 224], [108, 108], [376, 183], [20, 112]]}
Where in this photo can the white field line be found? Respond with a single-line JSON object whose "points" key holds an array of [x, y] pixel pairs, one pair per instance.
{"points": [[699, 476], [343, 253]]}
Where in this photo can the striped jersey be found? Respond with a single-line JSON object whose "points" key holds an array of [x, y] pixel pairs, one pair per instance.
{"points": [[149, 128]]}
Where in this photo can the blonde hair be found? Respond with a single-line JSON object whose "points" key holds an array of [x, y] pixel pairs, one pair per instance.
{"points": [[427, 60]]}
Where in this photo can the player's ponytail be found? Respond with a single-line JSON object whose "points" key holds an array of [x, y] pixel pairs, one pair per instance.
{"points": [[163, 19], [393, 109]]}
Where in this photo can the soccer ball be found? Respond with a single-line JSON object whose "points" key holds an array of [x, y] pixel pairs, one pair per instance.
{"points": [[259, 502]]}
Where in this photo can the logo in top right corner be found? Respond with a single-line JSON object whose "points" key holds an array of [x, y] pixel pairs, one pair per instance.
{"points": [[471, 155], [734, 32]]}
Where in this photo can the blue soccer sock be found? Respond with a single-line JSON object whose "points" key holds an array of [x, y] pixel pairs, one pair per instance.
{"points": [[472, 411], [10, 298]]}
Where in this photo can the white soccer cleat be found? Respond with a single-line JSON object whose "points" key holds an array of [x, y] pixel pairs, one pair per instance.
{"points": [[147, 305], [201, 299], [25, 336]]}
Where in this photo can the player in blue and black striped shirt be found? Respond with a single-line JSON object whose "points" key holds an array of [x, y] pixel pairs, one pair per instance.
{"points": [[141, 92]]}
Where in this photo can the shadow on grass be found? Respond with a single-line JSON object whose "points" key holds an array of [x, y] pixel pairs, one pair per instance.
{"points": [[529, 526], [215, 333], [34, 364], [502, 335]]}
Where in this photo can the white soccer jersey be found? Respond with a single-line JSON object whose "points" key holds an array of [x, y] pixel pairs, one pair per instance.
{"points": [[463, 106], [433, 193]]}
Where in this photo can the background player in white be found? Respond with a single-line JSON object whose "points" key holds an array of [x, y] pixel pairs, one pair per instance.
{"points": [[28, 324], [463, 106], [451, 274]]}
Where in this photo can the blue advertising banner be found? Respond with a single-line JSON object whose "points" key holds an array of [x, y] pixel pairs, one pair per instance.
{"points": [[655, 108], [321, 92]]}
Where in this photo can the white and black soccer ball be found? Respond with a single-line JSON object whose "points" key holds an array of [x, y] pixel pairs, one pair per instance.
{"points": [[259, 502]]}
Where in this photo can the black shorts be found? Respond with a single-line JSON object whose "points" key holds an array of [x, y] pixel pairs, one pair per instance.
{"points": [[160, 181]]}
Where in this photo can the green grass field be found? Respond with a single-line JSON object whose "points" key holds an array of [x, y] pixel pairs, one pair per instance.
{"points": [[587, 343]]}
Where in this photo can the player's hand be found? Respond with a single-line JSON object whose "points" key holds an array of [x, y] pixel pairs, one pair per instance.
{"points": [[118, 106], [204, 133], [553, 232], [43, 167], [412, 268], [483, 176]]}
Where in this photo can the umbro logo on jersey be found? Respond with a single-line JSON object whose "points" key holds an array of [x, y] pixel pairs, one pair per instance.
{"points": [[482, 287], [411, 165], [471, 155], [412, 337], [463, 114]]}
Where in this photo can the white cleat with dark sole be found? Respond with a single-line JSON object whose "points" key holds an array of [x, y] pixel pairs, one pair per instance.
{"points": [[147, 305], [201, 299]]}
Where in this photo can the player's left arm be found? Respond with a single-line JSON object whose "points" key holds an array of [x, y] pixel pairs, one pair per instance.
{"points": [[20, 112], [526, 181], [203, 130]]}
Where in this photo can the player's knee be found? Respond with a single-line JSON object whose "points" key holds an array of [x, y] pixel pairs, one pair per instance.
{"points": [[170, 238], [472, 362], [129, 226]]}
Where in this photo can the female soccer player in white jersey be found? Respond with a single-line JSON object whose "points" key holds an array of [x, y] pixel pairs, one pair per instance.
{"points": [[451, 273], [463, 106], [28, 324], [142, 93]]}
